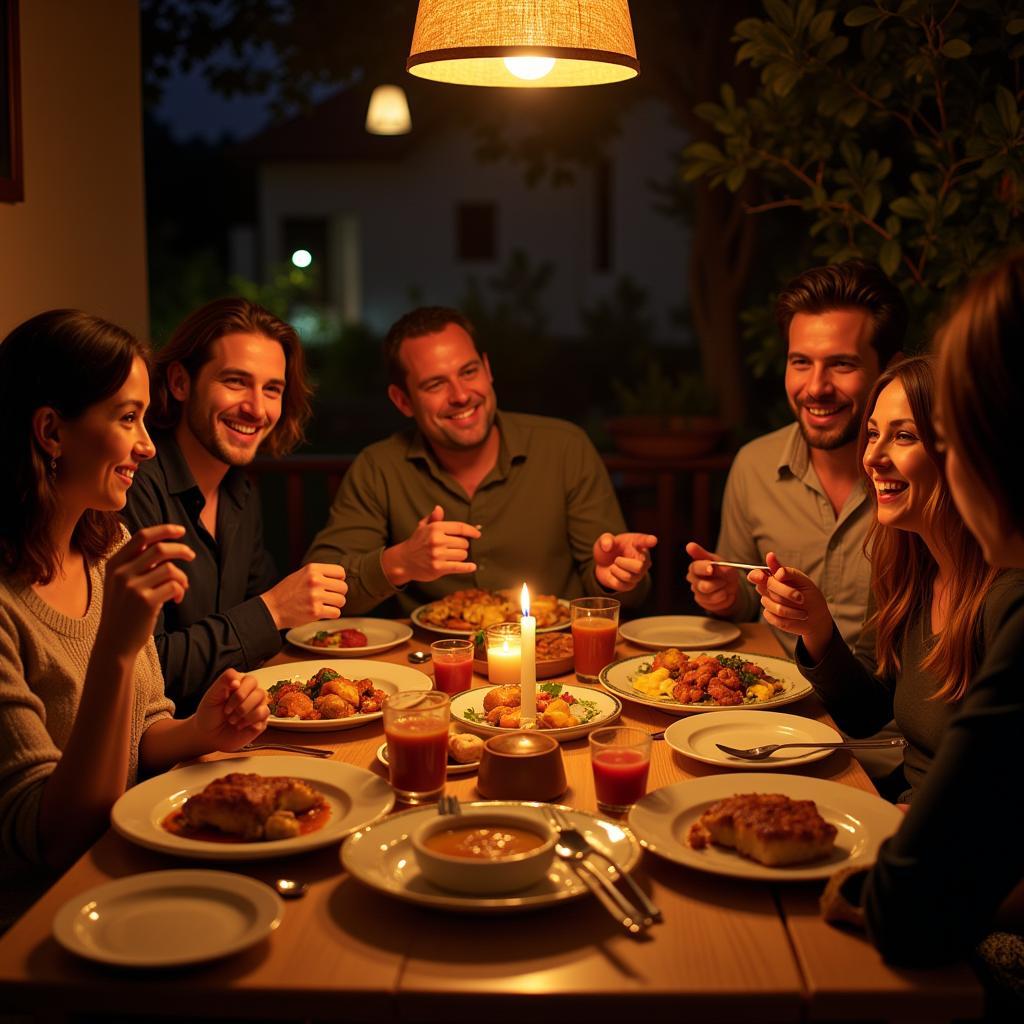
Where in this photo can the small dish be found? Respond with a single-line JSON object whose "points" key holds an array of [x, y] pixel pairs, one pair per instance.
{"points": [[454, 767], [381, 635], [168, 918], [381, 857], [484, 876], [698, 735], [523, 765]]}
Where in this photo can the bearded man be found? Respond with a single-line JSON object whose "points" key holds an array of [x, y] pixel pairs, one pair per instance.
{"points": [[229, 383]]}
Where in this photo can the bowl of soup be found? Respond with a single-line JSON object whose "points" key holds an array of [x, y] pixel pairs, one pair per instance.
{"points": [[484, 853]]}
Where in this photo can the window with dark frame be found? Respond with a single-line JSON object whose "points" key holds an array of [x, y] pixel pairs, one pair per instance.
{"points": [[476, 232]]}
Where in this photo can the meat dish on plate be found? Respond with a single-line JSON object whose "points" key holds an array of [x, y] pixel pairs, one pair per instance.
{"points": [[714, 679], [326, 695], [473, 609], [338, 638]]}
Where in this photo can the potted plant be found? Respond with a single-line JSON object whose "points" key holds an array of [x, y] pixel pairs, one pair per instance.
{"points": [[665, 416]]}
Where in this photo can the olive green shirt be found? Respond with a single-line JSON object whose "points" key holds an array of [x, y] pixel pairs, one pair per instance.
{"points": [[539, 510], [774, 501]]}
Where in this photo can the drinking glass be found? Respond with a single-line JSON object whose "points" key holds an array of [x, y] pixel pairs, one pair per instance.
{"points": [[595, 625], [453, 665], [621, 759], [416, 727], [504, 644]]}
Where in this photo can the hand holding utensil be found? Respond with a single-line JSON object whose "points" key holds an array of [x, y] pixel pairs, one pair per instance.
{"points": [[766, 750]]}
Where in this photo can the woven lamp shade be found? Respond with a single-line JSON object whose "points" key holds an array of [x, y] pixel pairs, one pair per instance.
{"points": [[467, 41]]}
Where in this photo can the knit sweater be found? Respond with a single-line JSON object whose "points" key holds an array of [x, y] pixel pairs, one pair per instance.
{"points": [[43, 660]]}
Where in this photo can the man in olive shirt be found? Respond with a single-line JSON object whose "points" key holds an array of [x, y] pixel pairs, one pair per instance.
{"points": [[528, 494], [799, 491]]}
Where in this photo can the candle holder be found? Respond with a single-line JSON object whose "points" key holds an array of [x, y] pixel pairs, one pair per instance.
{"points": [[503, 641]]}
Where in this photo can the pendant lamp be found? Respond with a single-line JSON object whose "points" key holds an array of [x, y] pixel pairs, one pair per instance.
{"points": [[523, 43], [388, 112]]}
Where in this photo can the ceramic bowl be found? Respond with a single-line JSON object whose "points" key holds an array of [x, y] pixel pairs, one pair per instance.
{"points": [[525, 765], [484, 877]]}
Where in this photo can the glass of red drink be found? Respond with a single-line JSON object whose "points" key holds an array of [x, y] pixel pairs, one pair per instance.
{"points": [[416, 727], [595, 627], [453, 665], [621, 759]]}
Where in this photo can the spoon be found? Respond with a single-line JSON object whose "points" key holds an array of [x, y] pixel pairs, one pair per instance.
{"points": [[291, 888], [419, 657]]}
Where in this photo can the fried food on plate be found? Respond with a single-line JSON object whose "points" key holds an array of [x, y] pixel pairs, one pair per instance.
{"points": [[477, 609]]}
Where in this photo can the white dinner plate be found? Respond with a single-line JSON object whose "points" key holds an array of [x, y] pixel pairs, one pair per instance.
{"points": [[381, 857], [380, 635], [386, 676], [168, 918], [618, 677], [454, 767], [864, 821], [686, 632], [698, 735], [430, 627], [604, 708], [355, 796]]}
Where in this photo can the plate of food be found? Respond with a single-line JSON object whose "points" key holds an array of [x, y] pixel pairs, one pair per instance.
{"points": [[466, 612], [168, 918], [251, 808], [563, 712], [308, 696], [681, 683], [464, 750], [686, 632], [348, 638], [554, 654], [381, 857], [774, 828], [699, 735]]}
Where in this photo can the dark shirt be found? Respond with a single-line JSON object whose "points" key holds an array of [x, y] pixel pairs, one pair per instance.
{"points": [[222, 622], [937, 884]]}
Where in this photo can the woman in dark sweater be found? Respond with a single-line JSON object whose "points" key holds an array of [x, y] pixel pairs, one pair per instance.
{"points": [[938, 602], [951, 876]]}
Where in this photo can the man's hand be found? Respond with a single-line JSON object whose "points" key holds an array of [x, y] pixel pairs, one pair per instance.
{"points": [[316, 591], [621, 560], [714, 586], [436, 548], [233, 712]]}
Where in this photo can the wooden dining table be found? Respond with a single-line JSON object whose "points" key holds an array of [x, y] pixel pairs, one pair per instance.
{"points": [[727, 950]]}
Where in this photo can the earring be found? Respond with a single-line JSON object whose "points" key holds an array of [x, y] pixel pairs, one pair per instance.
{"points": [[53, 465]]}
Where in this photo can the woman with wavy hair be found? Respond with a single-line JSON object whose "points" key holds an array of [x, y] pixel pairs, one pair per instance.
{"points": [[82, 705], [936, 600]]}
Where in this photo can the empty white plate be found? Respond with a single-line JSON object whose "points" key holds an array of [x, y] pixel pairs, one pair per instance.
{"points": [[698, 735], [168, 918], [686, 632]]}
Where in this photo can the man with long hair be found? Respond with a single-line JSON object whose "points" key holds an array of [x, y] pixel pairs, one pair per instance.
{"points": [[798, 491], [473, 496], [229, 383]]}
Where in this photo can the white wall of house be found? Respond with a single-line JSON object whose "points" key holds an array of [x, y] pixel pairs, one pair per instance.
{"points": [[398, 220], [79, 238]]}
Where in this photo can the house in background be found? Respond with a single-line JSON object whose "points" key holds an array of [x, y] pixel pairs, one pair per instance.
{"points": [[396, 221]]}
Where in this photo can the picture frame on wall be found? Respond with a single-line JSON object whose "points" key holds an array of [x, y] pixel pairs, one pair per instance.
{"points": [[12, 185]]}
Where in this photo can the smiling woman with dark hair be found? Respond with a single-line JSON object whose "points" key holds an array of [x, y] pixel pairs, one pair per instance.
{"points": [[78, 601]]}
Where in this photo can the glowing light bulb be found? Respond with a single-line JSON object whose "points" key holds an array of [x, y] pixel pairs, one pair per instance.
{"points": [[302, 258], [529, 69]]}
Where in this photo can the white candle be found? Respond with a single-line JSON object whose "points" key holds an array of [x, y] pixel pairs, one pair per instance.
{"points": [[528, 680], [503, 663]]}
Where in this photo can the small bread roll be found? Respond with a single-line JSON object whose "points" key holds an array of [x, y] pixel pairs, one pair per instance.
{"points": [[465, 748], [502, 697]]}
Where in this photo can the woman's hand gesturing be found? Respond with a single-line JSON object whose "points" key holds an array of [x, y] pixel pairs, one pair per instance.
{"points": [[140, 578], [792, 602]]}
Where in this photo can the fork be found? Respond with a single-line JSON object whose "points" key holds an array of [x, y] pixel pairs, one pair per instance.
{"points": [[766, 750], [599, 883], [575, 840], [292, 748], [449, 805]]}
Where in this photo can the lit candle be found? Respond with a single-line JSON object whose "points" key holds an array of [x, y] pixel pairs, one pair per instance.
{"points": [[503, 663], [528, 671]]}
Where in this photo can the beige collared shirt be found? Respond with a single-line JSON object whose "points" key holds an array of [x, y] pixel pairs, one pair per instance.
{"points": [[774, 502]]}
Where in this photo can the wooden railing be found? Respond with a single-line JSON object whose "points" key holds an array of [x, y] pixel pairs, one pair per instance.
{"points": [[677, 499]]}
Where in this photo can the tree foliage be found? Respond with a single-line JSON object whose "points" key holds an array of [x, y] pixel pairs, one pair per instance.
{"points": [[893, 129]]}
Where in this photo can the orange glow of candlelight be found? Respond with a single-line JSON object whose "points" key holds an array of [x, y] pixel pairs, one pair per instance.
{"points": [[524, 600]]}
